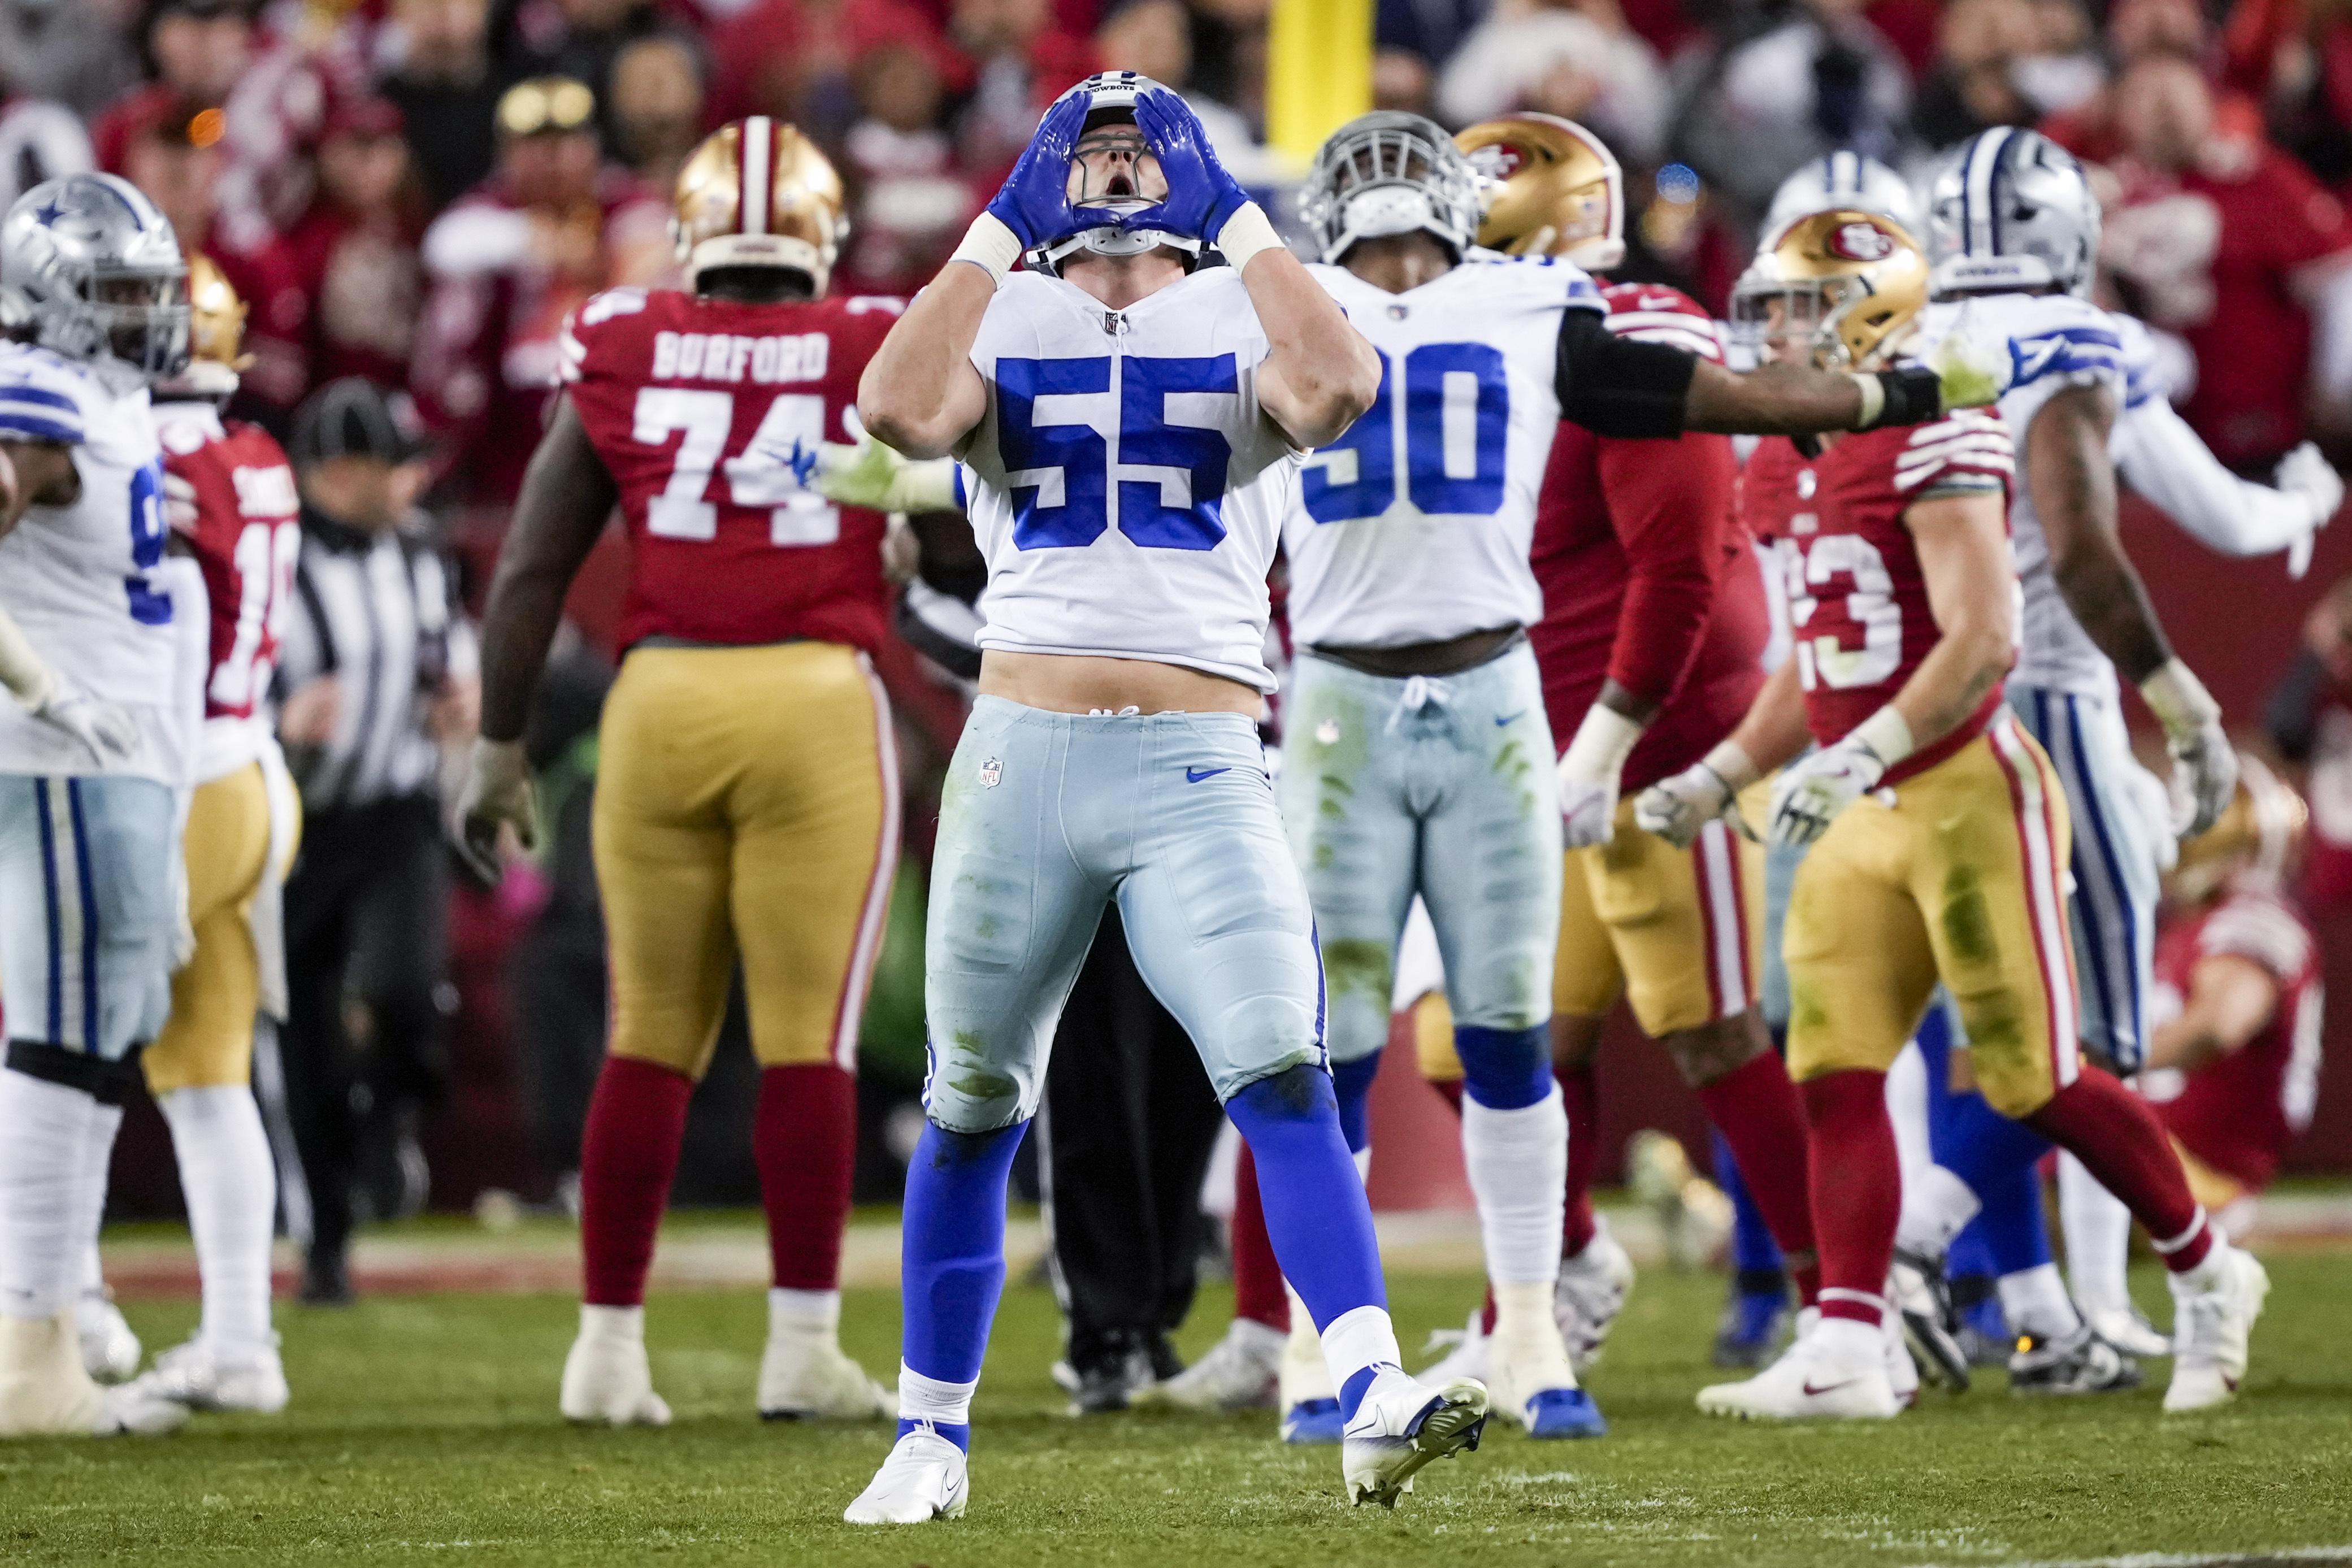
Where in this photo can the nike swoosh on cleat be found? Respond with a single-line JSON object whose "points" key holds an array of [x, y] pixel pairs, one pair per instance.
{"points": [[1194, 775], [1811, 1392], [1508, 718]]}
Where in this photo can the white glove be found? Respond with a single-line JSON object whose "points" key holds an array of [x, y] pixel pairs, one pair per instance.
{"points": [[1676, 809], [180, 509], [2152, 800], [2204, 765], [106, 728], [872, 474], [1812, 790], [498, 793], [1589, 772], [2305, 473]]}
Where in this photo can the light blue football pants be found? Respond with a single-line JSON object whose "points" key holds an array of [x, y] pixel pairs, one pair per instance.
{"points": [[86, 915], [1436, 785], [2112, 908], [1047, 817]]}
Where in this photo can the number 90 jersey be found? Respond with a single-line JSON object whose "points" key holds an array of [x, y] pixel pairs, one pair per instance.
{"points": [[74, 578], [1125, 486], [1414, 526], [1858, 607], [698, 408]]}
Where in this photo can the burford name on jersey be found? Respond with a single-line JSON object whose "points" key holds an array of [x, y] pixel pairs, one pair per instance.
{"points": [[726, 357], [1414, 526]]}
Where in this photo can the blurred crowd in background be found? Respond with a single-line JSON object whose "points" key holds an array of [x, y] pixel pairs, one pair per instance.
{"points": [[417, 193]]}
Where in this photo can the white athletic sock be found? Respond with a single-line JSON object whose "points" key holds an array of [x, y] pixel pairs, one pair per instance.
{"points": [[231, 1186], [1907, 1107], [1358, 1338], [2035, 1302], [43, 1128], [93, 1269], [805, 1311], [928, 1399], [1936, 1205], [1518, 1162], [2098, 1237]]}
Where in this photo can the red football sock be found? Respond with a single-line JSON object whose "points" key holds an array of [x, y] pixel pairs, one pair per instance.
{"points": [[1755, 1107], [1257, 1278], [1579, 1096], [1857, 1184], [805, 1140], [2119, 1141], [628, 1155], [1448, 1090]]}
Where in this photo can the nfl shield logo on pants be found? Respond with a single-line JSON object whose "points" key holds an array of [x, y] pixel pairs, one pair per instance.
{"points": [[990, 771]]}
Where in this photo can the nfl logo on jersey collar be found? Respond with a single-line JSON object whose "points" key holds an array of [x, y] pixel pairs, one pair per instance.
{"points": [[991, 773]]}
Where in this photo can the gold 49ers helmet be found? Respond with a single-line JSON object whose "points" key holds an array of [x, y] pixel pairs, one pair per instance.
{"points": [[216, 331], [1843, 282], [1551, 188], [2255, 845], [757, 192]]}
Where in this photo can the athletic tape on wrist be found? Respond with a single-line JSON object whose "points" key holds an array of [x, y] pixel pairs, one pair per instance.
{"points": [[1601, 746], [1729, 761], [1887, 734], [2178, 699], [990, 245], [1873, 399], [1246, 234]]}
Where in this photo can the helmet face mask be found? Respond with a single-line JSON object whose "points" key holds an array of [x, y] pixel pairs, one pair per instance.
{"points": [[2012, 211], [98, 269], [1113, 171], [756, 194], [1547, 187], [1838, 290], [1388, 173]]}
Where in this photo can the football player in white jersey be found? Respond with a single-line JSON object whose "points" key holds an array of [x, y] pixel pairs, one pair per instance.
{"points": [[1416, 749], [1129, 423], [89, 754]]}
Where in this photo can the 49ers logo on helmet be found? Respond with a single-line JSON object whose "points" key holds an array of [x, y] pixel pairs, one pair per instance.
{"points": [[1498, 161], [1861, 242]]}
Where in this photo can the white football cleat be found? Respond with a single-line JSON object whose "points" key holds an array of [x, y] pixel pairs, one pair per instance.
{"points": [[46, 1391], [1809, 1382], [805, 1375], [109, 1347], [1916, 1291], [2209, 1330], [1590, 1293], [1902, 1367], [607, 1378], [1468, 1353], [1402, 1424], [1240, 1372], [2128, 1332], [201, 1378], [925, 1477]]}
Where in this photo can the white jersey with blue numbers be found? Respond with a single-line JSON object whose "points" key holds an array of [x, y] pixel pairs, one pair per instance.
{"points": [[2055, 341], [1414, 526], [1125, 486], [75, 578]]}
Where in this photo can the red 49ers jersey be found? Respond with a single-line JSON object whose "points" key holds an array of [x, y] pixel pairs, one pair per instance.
{"points": [[696, 407], [233, 501], [1647, 576], [1858, 609], [2240, 1114]]}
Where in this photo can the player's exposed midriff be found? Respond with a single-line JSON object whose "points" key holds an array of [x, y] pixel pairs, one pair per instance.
{"points": [[1083, 683]]}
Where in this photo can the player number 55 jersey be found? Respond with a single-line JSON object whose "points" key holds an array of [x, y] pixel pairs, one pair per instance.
{"points": [[1125, 486]]}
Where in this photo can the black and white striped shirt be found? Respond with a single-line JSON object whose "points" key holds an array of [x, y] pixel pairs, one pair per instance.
{"points": [[379, 612]]}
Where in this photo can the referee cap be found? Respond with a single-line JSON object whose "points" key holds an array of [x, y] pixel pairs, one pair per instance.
{"points": [[354, 417]]}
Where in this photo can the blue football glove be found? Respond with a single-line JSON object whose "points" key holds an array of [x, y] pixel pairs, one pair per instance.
{"points": [[1034, 202], [1201, 194]]}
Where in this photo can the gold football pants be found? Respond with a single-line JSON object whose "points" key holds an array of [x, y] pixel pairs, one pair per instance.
{"points": [[208, 1038], [747, 805]]}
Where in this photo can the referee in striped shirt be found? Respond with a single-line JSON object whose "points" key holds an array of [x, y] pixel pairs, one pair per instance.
{"points": [[378, 674]]}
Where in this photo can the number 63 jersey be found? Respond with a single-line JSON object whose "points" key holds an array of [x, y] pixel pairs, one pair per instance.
{"points": [[1125, 486], [74, 578], [698, 408]]}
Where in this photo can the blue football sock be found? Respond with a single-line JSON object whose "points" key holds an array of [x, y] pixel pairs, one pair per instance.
{"points": [[1505, 1069], [1997, 1158], [1315, 1213], [1351, 1081], [1753, 1251], [2016, 1232], [953, 1251]]}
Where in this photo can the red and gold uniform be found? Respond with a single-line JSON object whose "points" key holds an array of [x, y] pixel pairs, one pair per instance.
{"points": [[747, 800], [2232, 1120], [1953, 870], [1649, 580], [234, 507]]}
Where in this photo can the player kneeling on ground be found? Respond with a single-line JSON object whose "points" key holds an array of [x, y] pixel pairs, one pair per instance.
{"points": [[1132, 420], [1943, 835]]}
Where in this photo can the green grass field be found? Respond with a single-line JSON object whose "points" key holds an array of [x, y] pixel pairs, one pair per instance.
{"points": [[425, 1428]]}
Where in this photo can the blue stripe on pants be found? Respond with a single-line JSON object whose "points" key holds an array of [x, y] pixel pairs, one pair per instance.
{"points": [[88, 919], [50, 886]]}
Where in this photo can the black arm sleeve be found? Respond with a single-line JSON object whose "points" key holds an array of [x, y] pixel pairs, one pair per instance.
{"points": [[1615, 387], [2292, 715]]}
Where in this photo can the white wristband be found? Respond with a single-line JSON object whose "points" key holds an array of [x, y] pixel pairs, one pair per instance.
{"points": [[1603, 742], [1887, 734], [1873, 399], [1246, 234], [21, 669], [2178, 699], [990, 245], [1729, 761]]}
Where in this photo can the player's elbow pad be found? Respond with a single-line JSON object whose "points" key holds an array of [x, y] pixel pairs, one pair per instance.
{"points": [[1613, 386]]}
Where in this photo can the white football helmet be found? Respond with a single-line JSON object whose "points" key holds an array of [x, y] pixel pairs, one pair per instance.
{"points": [[2009, 210], [98, 270], [1111, 97], [1389, 172], [1846, 180]]}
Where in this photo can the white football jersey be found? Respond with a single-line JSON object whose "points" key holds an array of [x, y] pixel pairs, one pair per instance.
{"points": [[1414, 526], [2055, 341], [1124, 485], [76, 578]]}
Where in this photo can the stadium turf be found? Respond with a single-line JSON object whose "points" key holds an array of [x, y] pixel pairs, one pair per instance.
{"points": [[423, 1428]]}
